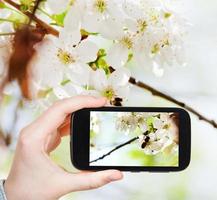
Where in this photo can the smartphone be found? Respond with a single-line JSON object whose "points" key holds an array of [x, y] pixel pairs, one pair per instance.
{"points": [[131, 139]]}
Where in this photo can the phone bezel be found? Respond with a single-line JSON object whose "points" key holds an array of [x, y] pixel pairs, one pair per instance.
{"points": [[79, 143]]}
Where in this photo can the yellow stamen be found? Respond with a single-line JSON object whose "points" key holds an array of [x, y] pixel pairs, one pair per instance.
{"points": [[142, 25], [108, 93], [100, 5], [127, 42], [65, 57]]}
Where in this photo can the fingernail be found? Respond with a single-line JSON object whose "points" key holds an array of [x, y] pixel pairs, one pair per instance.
{"points": [[115, 176]]}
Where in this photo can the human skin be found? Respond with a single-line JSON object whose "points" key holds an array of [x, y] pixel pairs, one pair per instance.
{"points": [[33, 175]]}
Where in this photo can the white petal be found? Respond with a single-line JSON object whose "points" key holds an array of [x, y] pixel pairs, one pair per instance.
{"points": [[70, 89], [91, 23], [157, 123], [131, 24], [60, 92], [99, 80], [119, 77], [87, 51], [111, 29], [132, 9], [114, 9], [94, 93], [69, 37], [142, 59], [45, 66], [122, 92], [79, 74], [117, 56], [72, 19]]}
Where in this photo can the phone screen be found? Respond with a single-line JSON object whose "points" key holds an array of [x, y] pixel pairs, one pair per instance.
{"points": [[134, 139]]}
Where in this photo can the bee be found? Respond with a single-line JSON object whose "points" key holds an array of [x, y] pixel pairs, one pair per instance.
{"points": [[145, 142], [117, 101]]}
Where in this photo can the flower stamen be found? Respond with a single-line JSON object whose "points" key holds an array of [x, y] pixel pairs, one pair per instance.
{"points": [[127, 42], [142, 25], [65, 57], [109, 93], [100, 5]]}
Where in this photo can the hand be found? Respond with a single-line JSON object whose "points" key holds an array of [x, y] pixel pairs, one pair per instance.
{"points": [[34, 176]]}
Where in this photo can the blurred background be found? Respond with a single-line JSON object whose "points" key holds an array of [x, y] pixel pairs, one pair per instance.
{"points": [[194, 84]]}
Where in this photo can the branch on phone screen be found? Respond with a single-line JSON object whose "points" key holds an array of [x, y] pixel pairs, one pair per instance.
{"points": [[50, 30], [115, 149]]}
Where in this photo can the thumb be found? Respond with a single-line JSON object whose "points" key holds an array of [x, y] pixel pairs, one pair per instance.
{"points": [[90, 180]]}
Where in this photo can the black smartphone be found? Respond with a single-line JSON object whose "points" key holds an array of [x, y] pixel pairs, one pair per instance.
{"points": [[131, 139]]}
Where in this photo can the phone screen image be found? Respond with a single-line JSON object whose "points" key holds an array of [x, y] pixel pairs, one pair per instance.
{"points": [[134, 139]]}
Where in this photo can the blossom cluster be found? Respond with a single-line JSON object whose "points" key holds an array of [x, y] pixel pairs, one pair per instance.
{"points": [[155, 131], [97, 40]]}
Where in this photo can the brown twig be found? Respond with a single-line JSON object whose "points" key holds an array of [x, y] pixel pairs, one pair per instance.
{"points": [[158, 93], [49, 29], [133, 81], [115, 149]]}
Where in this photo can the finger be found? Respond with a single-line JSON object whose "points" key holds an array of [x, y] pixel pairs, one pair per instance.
{"points": [[56, 114], [91, 180], [64, 128], [65, 122]]}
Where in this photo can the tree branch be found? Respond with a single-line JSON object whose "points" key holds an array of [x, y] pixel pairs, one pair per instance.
{"points": [[115, 149], [158, 93], [50, 30]]}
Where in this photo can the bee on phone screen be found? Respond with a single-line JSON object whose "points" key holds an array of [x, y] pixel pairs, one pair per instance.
{"points": [[145, 142]]}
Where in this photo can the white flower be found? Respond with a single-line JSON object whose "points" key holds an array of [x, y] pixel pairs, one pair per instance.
{"points": [[97, 11], [129, 122], [124, 43], [154, 142], [126, 122], [90, 15], [63, 58], [114, 87], [150, 32], [147, 30]]}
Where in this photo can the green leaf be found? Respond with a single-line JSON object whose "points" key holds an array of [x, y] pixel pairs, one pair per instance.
{"points": [[100, 62], [59, 18], [101, 53]]}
